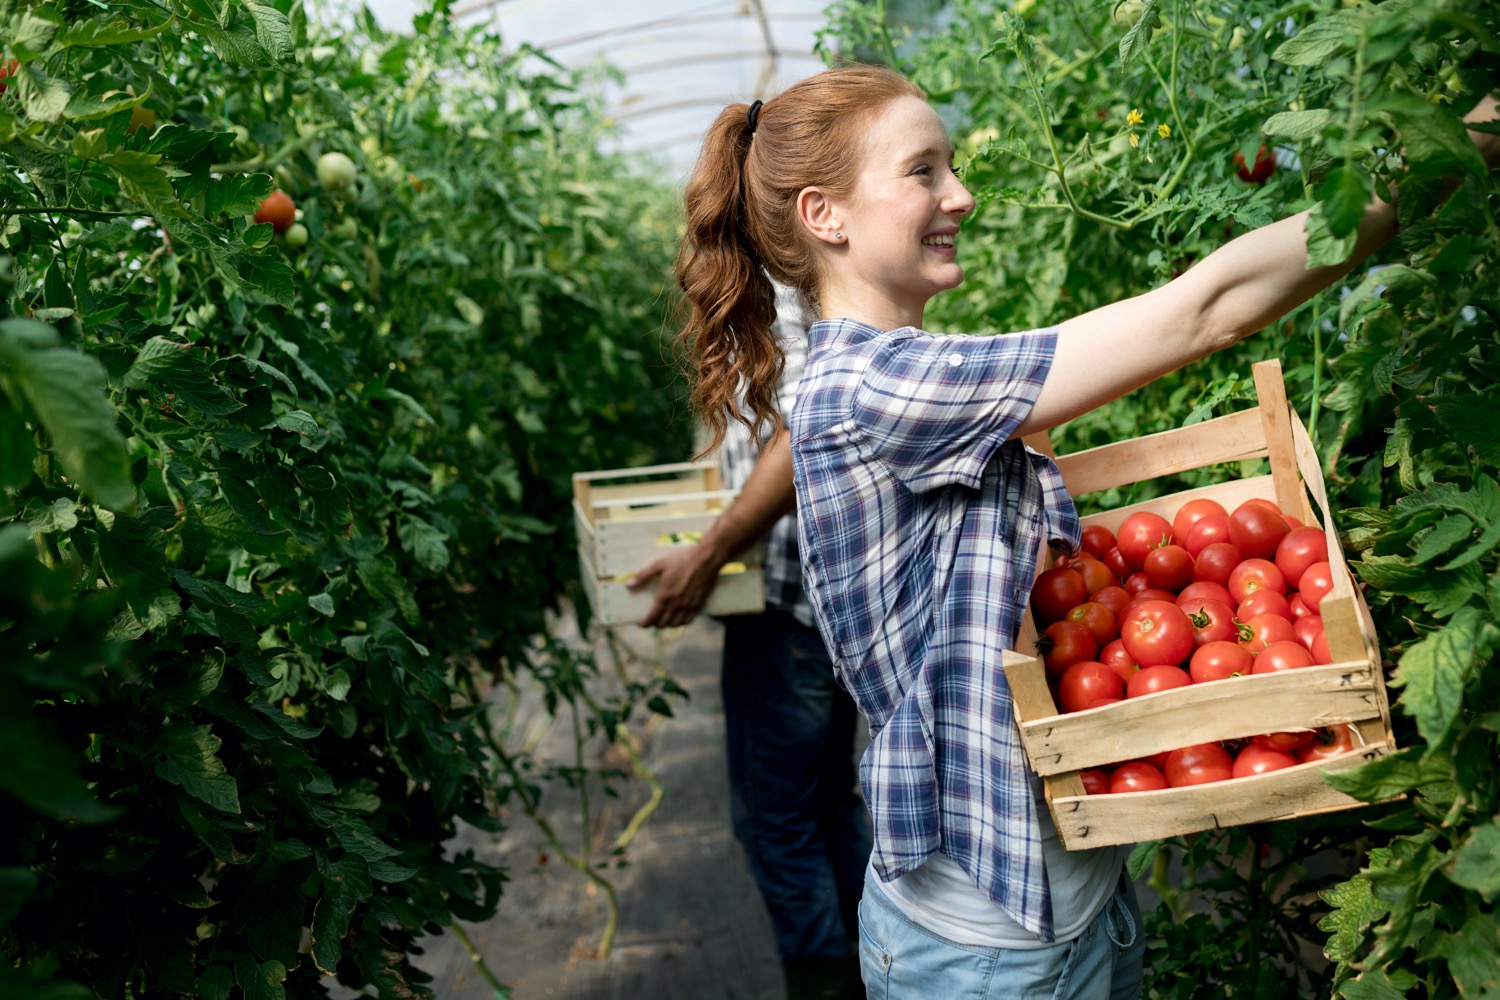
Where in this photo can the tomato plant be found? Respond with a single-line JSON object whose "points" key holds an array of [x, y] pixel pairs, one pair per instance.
{"points": [[278, 210], [1259, 171]]}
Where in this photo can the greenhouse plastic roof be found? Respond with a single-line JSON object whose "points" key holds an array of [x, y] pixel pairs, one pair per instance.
{"points": [[682, 60]]}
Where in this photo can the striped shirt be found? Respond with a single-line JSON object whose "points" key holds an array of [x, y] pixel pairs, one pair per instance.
{"points": [[920, 524]]}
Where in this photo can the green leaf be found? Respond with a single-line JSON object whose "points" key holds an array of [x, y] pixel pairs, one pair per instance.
{"points": [[179, 369], [84, 107], [1473, 955], [1297, 126], [1320, 41], [215, 983], [66, 390], [260, 981], [1385, 777], [1138, 38], [99, 32], [425, 543], [270, 909], [188, 759], [42, 98], [272, 30], [1344, 194], [1434, 672], [17, 450], [1324, 249], [59, 515], [1476, 863], [1434, 142], [30, 34], [143, 181], [1355, 909], [1444, 535], [1470, 420], [237, 194], [345, 883], [1371, 985], [298, 422], [322, 603]]}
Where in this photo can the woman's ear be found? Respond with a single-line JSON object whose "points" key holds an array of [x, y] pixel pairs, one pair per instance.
{"points": [[819, 215]]}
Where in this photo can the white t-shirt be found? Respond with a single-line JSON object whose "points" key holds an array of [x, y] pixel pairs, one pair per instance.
{"points": [[941, 897]]}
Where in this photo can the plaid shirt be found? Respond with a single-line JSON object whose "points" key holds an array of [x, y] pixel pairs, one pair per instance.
{"points": [[921, 522], [783, 569]]}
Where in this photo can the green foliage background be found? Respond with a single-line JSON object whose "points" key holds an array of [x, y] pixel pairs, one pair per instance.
{"points": [[1395, 371], [270, 515]]}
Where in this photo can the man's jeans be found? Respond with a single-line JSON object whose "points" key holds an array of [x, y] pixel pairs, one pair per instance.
{"points": [[901, 961], [792, 781]]}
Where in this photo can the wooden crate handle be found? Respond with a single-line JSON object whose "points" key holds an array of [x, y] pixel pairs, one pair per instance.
{"points": [[1275, 416]]}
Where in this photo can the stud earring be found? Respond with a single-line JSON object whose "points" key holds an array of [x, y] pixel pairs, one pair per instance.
{"points": [[839, 237]]}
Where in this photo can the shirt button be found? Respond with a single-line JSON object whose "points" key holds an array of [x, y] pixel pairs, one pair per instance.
{"points": [[955, 359], [885, 959]]}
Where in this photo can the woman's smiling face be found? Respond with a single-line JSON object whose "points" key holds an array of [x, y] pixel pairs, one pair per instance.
{"points": [[900, 222]]}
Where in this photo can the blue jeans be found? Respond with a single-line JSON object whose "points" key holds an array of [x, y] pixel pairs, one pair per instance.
{"points": [[793, 787], [902, 961]]}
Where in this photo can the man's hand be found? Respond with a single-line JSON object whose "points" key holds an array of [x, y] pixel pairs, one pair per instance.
{"points": [[684, 581]]}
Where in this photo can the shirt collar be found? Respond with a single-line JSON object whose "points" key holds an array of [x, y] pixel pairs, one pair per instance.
{"points": [[827, 335]]}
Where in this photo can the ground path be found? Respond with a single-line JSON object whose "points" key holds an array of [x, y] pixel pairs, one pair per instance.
{"points": [[691, 923]]}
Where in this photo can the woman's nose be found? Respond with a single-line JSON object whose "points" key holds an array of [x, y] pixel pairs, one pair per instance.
{"points": [[958, 201]]}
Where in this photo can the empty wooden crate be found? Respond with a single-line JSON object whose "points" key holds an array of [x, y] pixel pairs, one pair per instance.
{"points": [[627, 518]]}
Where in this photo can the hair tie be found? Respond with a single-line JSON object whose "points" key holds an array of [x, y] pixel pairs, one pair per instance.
{"points": [[752, 116]]}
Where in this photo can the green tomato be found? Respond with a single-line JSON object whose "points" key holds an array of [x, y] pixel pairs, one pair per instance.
{"points": [[295, 236], [346, 228], [336, 171]]}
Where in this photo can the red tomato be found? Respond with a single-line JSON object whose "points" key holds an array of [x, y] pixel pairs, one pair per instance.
{"points": [[1064, 644], [1258, 172], [1306, 627], [1254, 575], [1315, 583], [1136, 776], [1277, 656], [1055, 591], [1098, 540], [1154, 594], [1191, 513], [1137, 582], [1140, 533], [1117, 564], [8, 69], [1329, 741], [1321, 653], [1292, 522], [1099, 620], [1203, 590], [1216, 562], [1262, 630], [1267, 504], [1256, 530], [1156, 632], [1299, 549], [1085, 684], [1205, 532], [279, 210], [1162, 677], [1114, 597], [1217, 661], [1095, 781], [1256, 758], [1096, 575], [1115, 657], [1263, 602], [1298, 605], [1169, 567], [1290, 742], [1200, 764], [1212, 621]]}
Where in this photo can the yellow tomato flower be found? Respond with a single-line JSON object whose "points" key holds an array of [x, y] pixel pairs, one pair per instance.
{"points": [[1135, 117], [1164, 130], [1135, 140]]}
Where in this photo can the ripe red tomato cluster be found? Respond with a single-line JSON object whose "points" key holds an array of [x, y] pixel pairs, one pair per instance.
{"points": [[1209, 762], [1207, 596]]}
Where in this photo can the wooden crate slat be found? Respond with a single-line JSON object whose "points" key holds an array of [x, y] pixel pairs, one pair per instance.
{"points": [[628, 546], [735, 593], [1200, 713], [645, 470], [1104, 820], [1229, 438], [1276, 424]]}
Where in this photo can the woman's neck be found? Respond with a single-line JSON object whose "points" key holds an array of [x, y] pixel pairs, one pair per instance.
{"points": [[869, 307]]}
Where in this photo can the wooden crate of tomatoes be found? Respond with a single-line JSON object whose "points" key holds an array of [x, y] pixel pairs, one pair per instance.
{"points": [[1206, 656]]}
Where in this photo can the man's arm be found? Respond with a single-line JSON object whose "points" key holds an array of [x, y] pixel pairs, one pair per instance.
{"points": [[686, 578]]}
